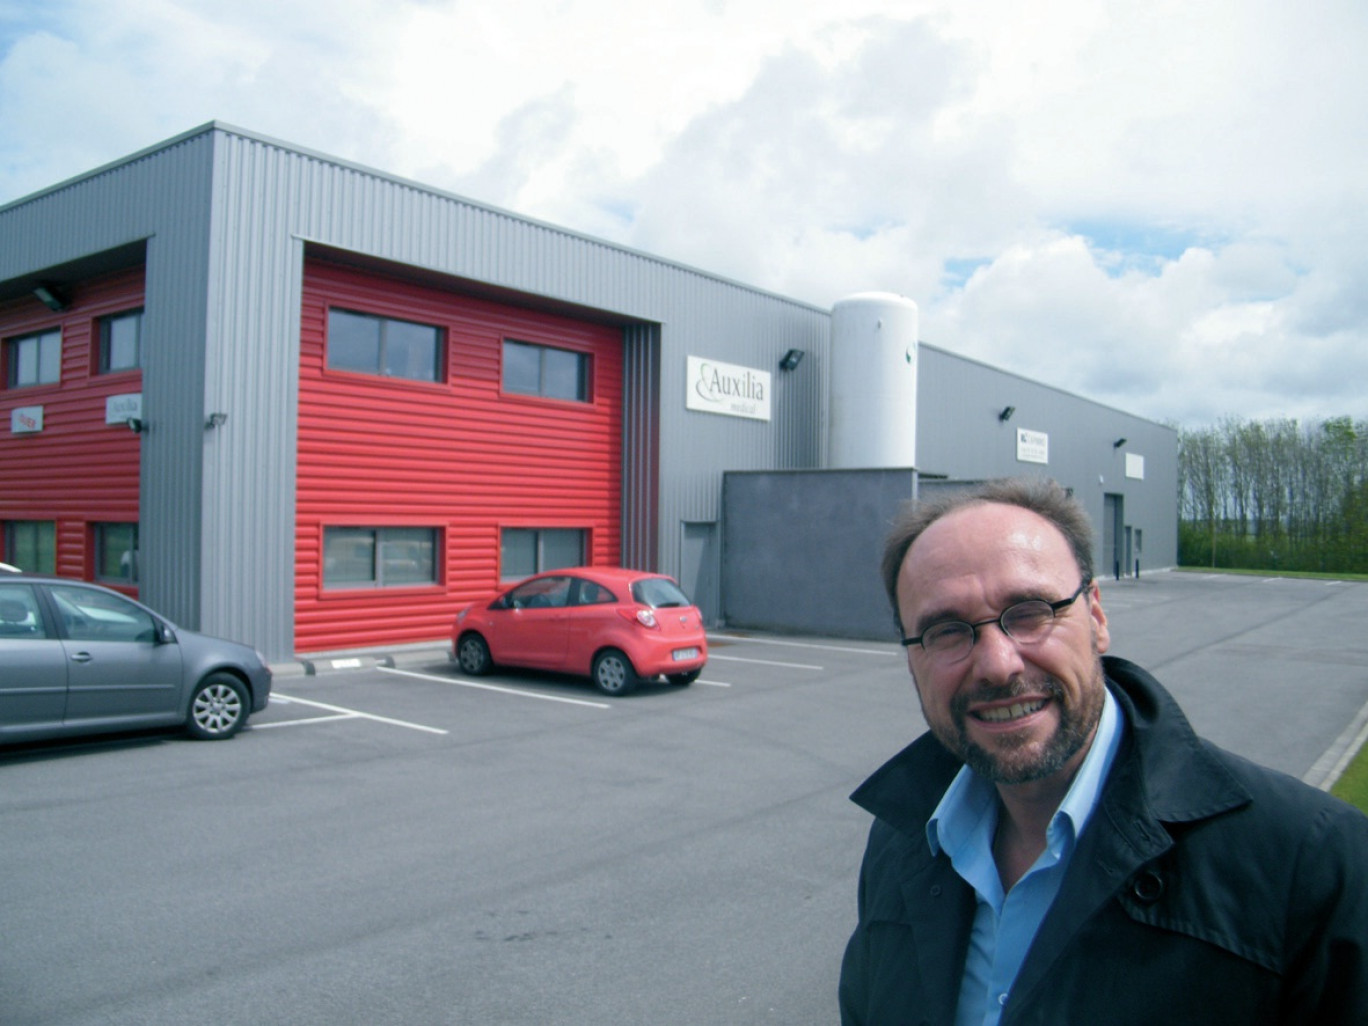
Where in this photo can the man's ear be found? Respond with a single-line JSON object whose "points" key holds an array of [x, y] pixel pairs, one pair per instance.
{"points": [[1101, 635]]}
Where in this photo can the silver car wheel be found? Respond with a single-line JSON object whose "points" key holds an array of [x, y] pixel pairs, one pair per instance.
{"points": [[613, 673], [218, 708]]}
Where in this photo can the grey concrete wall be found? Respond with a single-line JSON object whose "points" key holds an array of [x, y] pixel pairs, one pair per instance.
{"points": [[801, 550]]}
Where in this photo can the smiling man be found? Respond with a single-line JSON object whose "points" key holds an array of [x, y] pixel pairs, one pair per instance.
{"points": [[1061, 848]]}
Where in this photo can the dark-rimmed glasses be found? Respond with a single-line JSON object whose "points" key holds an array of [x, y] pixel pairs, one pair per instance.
{"points": [[1024, 622]]}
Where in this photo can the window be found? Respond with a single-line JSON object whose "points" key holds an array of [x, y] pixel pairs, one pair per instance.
{"points": [[379, 557], [381, 345], [35, 359], [541, 370], [591, 594], [31, 545], [524, 551], [543, 593], [116, 553], [91, 615], [19, 615], [659, 593], [121, 342]]}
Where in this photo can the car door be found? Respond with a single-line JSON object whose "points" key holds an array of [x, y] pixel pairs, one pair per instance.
{"points": [[117, 666], [532, 628], [33, 671], [592, 617]]}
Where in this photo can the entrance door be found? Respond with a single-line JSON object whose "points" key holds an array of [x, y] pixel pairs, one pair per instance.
{"points": [[698, 568], [1113, 533]]}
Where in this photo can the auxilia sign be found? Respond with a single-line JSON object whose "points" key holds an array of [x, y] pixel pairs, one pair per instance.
{"points": [[725, 388]]}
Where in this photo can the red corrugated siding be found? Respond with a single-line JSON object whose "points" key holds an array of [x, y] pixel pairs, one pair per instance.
{"points": [[458, 456], [78, 470]]}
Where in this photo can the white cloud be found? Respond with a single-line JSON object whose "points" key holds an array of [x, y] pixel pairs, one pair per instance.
{"points": [[1159, 206]]}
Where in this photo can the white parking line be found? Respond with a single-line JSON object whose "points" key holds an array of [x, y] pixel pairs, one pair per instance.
{"points": [[300, 723], [803, 644], [354, 714], [764, 662], [714, 683], [494, 687]]}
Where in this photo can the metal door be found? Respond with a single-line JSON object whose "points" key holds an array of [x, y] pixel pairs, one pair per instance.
{"points": [[698, 568], [1113, 536]]}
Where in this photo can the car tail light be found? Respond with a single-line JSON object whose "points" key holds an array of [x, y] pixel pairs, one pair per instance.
{"points": [[644, 617]]}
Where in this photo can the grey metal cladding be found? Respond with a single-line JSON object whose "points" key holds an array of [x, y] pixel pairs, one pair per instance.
{"points": [[159, 197], [959, 430], [227, 215]]}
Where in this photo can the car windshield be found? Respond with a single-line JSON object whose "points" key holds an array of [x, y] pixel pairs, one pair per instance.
{"points": [[659, 593]]}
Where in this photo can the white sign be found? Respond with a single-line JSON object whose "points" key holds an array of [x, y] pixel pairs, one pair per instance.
{"points": [[25, 420], [724, 388], [1032, 446], [119, 408], [1135, 466]]}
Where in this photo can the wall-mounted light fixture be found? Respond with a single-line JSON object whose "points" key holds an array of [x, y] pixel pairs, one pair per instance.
{"points": [[47, 295], [791, 360], [1006, 413], [215, 420], [135, 425], [1118, 443]]}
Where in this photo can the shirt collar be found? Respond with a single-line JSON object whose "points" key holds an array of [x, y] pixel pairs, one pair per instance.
{"points": [[958, 817]]}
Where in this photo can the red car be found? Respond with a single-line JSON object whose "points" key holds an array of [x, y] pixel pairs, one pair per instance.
{"points": [[617, 627]]}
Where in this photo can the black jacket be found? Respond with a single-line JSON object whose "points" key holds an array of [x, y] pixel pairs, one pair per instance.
{"points": [[1205, 889]]}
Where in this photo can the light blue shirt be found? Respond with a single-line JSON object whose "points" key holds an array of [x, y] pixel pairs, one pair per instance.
{"points": [[1005, 924]]}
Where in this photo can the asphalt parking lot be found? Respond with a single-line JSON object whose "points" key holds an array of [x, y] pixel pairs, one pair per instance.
{"points": [[405, 845]]}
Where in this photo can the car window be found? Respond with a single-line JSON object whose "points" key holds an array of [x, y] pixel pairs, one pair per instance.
{"points": [[91, 615], [658, 593], [19, 616], [543, 593], [593, 594]]}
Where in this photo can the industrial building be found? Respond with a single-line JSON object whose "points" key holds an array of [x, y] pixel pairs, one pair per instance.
{"points": [[311, 406]]}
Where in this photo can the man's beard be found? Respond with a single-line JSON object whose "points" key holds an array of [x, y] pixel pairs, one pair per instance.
{"points": [[1016, 765]]}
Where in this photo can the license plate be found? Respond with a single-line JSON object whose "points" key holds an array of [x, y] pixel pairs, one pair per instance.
{"points": [[685, 653]]}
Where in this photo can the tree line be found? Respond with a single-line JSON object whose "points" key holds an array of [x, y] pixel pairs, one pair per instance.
{"points": [[1274, 495]]}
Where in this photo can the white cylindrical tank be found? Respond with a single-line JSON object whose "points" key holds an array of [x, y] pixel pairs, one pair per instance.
{"points": [[873, 382]]}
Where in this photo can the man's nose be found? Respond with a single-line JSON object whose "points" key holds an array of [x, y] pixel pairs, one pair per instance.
{"points": [[997, 658]]}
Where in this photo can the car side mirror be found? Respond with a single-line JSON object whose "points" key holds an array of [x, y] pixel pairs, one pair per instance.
{"points": [[165, 635]]}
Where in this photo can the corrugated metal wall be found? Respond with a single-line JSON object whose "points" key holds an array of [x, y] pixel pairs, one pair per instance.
{"points": [[641, 446], [227, 214], [158, 199], [223, 219], [960, 432], [271, 196], [78, 470], [459, 456]]}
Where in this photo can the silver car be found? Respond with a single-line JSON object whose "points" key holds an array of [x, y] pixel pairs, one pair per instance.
{"points": [[76, 658]]}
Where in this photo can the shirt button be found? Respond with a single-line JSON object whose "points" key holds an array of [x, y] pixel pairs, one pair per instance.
{"points": [[1002, 999]]}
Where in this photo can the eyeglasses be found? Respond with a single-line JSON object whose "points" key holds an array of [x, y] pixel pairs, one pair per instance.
{"points": [[1025, 622]]}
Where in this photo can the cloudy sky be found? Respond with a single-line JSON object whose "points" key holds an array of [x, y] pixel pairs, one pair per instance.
{"points": [[1160, 206]]}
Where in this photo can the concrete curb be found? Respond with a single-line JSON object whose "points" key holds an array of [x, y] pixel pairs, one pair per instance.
{"points": [[313, 663]]}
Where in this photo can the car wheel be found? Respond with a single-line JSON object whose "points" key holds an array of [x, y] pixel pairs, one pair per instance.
{"points": [[683, 680], [218, 708], [472, 654], [613, 673]]}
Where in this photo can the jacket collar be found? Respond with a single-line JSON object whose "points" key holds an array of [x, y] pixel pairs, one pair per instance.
{"points": [[1181, 778]]}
